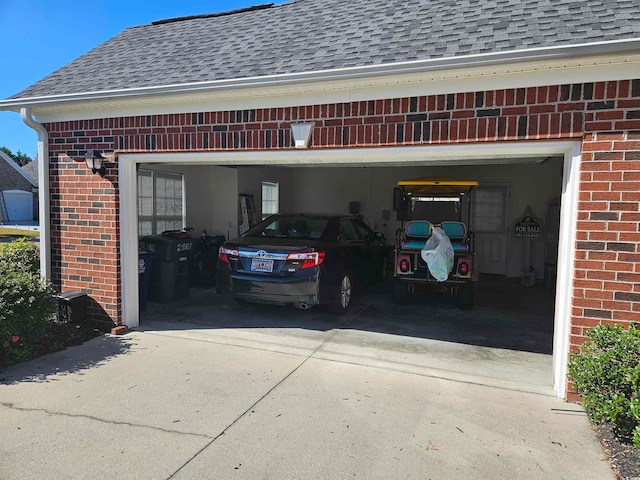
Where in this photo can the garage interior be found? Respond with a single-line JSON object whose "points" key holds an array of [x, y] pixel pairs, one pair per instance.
{"points": [[511, 324]]}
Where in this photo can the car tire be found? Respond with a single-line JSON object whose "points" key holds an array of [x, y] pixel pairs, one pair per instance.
{"points": [[464, 297], [400, 292], [345, 290]]}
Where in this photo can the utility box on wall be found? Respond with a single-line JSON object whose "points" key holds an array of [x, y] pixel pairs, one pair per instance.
{"points": [[72, 307]]}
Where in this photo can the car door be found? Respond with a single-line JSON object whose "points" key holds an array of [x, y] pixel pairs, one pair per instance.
{"points": [[353, 247], [373, 250]]}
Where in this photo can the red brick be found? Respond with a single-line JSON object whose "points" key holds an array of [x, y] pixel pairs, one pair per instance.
{"points": [[623, 226], [597, 146], [610, 115], [629, 236], [608, 196], [581, 302], [618, 286], [601, 275], [628, 316], [119, 330]]}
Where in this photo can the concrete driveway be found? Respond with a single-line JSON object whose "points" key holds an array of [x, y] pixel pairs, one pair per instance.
{"points": [[506, 340], [328, 399]]}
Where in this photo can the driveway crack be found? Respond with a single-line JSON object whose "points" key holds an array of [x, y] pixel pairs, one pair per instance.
{"points": [[101, 420], [243, 414]]}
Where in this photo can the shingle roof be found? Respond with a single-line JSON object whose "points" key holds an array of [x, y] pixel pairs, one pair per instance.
{"points": [[313, 35], [31, 169]]}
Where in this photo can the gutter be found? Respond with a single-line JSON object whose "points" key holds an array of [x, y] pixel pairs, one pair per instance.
{"points": [[43, 193], [349, 73]]}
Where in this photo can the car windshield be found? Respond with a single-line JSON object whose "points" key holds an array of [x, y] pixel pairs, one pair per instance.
{"points": [[291, 227]]}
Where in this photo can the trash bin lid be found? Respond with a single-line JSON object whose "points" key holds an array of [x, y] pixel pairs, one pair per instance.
{"points": [[71, 295]]}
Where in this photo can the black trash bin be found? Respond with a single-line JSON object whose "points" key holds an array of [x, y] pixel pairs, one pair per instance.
{"points": [[169, 279], [204, 260], [145, 265], [72, 307]]}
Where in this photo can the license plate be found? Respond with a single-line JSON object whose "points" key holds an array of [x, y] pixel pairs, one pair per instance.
{"points": [[258, 265]]}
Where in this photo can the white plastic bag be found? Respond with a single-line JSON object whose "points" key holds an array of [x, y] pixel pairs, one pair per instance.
{"points": [[438, 253]]}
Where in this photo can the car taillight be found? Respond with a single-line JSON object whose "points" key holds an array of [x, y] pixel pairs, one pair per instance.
{"points": [[309, 259], [223, 254]]}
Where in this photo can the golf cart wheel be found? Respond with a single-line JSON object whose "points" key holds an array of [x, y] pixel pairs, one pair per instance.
{"points": [[400, 293], [464, 297], [343, 300]]}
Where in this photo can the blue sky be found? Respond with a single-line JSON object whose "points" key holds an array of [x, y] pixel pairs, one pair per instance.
{"points": [[39, 36]]}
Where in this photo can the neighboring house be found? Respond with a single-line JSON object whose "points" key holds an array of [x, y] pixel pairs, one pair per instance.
{"points": [[539, 100], [31, 168], [18, 192]]}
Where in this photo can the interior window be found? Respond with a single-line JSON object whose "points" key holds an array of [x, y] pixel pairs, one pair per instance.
{"points": [[160, 202], [269, 199]]}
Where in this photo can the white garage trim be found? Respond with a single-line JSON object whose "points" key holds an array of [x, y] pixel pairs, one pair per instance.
{"points": [[566, 266], [512, 152]]}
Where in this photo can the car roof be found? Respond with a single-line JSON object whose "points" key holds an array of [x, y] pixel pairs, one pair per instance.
{"points": [[316, 215]]}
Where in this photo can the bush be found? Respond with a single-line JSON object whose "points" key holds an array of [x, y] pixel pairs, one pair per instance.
{"points": [[606, 374], [27, 303]]}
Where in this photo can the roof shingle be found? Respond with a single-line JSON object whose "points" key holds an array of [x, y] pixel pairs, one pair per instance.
{"points": [[314, 35]]}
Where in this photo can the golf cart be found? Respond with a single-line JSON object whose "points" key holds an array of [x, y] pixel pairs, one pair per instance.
{"points": [[434, 248]]}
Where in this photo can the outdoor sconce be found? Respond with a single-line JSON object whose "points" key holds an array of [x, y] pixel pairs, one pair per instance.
{"points": [[95, 162], [301, 133]]}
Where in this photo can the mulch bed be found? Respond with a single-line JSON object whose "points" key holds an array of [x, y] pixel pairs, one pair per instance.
{"points": [[622, 454]]}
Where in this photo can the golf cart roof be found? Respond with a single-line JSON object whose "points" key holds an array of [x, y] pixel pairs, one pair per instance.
{"points": [[437, 186]]}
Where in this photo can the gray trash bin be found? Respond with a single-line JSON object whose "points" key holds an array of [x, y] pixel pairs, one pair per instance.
{"points": [[170, 272]]}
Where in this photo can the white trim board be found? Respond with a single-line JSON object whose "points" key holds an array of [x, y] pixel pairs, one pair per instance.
{"points": [[338, 90], [451, 154]]}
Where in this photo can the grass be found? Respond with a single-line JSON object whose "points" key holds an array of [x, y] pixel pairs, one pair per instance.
{"points": [[15, 233]]}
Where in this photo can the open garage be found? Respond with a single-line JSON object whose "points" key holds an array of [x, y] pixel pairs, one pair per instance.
{"points": [[547, 123], [507, 338]]}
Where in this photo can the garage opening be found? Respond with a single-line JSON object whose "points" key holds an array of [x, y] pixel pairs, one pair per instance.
{"points": [[516, 276]]}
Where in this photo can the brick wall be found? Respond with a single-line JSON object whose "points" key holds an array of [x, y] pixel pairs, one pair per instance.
{"points": [[606, 115]]}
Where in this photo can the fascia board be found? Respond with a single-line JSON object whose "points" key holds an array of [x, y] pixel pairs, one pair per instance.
{"points": [[590, 62], [313, 94]]}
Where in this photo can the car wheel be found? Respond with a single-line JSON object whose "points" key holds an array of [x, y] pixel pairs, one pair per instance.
{"points": [[400, 292], [341, 305], [464, 297]]}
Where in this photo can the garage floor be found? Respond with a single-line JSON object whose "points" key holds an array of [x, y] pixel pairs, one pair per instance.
{"points": [[505, 341]]}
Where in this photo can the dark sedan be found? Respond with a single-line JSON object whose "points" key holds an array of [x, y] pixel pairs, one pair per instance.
{"points": [[303, 260]]}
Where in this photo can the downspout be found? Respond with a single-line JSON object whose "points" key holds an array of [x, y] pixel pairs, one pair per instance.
{"points": [[43, 191]]}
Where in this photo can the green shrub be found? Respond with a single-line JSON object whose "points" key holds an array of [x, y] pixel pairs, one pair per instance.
{"points": [[27, 303], [20, 255], [606, 374]]}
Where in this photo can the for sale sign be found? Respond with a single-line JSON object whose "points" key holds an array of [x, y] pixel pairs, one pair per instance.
{"points": [[528, 227]]}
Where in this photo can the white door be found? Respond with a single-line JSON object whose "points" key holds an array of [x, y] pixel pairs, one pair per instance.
{"points": [[490, 225], [19, 205]]}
